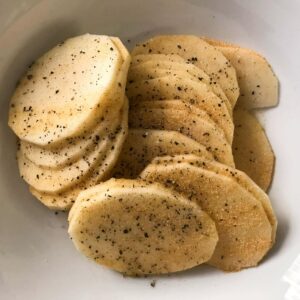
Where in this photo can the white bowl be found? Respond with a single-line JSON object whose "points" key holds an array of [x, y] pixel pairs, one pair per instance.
{"points": [[37, 259]]}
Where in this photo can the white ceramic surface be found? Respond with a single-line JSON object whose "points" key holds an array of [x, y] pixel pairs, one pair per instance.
{"points": [[37, 260]]}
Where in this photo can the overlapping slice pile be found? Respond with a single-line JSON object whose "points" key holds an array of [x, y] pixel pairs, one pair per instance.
{"points": [[181, 83], [138, 228], [70, 113], [242, 212]]}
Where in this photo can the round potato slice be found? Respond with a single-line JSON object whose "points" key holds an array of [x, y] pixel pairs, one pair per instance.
{"points": [[195, 50], [156, 69], [65, 89], [141, 58], [239, 176], [252, 150], [142, 145], [186, 120], [137, 228], [258, 84], [57, 180], [245, 233], [71, 149], [64, 200], [193, 92]]}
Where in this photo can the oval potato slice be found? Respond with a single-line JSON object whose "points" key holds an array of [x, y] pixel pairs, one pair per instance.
{"points": [[186, 120], [195, 50], [245, 233], [57, 180], [142, 145], [237, 175], [114, 224], [64, 89], [71, 149], [252, 150], [156, 69], [258, 83], [193, 92], [64, 200]]}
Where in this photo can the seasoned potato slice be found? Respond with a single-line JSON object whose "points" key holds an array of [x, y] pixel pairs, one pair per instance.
{"points": [[186, 119], [156, 69], [251, 148], [64, 200], [142, 145], [195, 50], [65, 90], [138, 228], [245, 233], [197, 93], [258, 83]]}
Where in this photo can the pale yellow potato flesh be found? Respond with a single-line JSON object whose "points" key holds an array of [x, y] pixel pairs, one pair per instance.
{"points": [[137, 228], [186, 119], [141, 58], [259, 86], [64, 200], [197, 93], [156, 69], [245, 233], [63, 91], [195, 50], [142, 145], [252, 150], [240, 177]]}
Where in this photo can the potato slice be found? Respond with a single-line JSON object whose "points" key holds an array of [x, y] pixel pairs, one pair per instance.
{"points": [[64, 200], [156, 69], [188, 120], [137, 228], [245, 233], [192, 92], [141, 58], [71, 149], [142, 145], [195, 50], [63, 91], [252, 150], [258, 83], [57, 180], [237, 175]]}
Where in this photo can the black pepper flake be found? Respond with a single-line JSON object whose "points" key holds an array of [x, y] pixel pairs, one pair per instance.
{"points": [[29, 76], [57, 91], [153, 283], [125, 231], [111, 49]]}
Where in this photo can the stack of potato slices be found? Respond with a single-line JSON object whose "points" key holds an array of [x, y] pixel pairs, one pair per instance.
{"points": [[70, 114], [193, 170]]}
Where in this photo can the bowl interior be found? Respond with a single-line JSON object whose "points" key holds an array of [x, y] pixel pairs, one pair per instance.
{"points": [[37, 259]]}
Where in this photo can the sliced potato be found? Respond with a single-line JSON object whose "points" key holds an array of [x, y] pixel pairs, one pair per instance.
{"points": [[64, 200], [188, 90], [245, 233], [156, 69], [195, 50], [73, 149], [141, 58], [65, 90], [142, 145], [188, 120], [252, 150], [258, 83], [57, 180], [239, 176], [137, 228]]}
